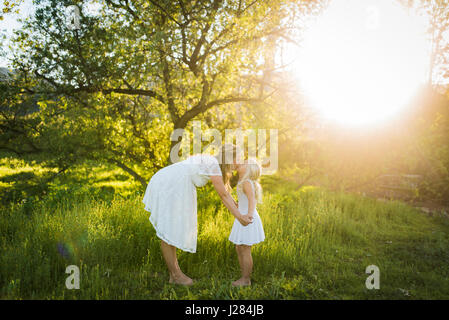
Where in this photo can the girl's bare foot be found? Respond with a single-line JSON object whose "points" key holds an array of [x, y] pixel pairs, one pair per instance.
{"points": [[181, 279], [242, 282]]}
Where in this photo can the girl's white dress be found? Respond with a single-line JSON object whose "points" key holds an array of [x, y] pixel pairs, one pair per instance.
{"points": [[171, 198], [252, 233]]}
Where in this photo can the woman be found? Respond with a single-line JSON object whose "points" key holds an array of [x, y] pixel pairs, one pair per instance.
{"points": [[171, 198]]}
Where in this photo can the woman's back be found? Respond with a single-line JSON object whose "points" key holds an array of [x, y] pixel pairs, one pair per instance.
{"points": [[201, 167]]}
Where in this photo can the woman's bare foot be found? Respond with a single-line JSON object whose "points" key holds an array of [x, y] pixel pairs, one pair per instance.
{"points": [[181, 279], [242, 282]]}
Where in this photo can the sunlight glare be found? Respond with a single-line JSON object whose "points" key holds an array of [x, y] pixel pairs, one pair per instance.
{"points": [[361, 61]]}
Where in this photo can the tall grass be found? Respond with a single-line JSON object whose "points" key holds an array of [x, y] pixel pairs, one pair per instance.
{"points": [[317, 246]]}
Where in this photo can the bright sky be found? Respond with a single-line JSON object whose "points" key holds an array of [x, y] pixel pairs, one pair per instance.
{"points": [[10, 22], [362, 60]]}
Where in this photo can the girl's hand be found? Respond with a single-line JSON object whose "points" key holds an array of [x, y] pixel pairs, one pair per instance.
{"points": [[245, 220]]}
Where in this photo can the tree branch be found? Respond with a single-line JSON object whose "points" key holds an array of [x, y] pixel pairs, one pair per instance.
{"points": [[202, 107], [130, 171]]}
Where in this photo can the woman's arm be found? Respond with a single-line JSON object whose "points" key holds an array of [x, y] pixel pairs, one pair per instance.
{"points": [[249, 192], [228, 201]]}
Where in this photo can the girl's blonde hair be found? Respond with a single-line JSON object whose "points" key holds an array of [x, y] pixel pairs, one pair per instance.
{"points": [[253, 173]]}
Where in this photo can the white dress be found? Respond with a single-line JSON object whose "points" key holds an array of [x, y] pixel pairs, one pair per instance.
{"points": [[252, 233], [171, 198]]}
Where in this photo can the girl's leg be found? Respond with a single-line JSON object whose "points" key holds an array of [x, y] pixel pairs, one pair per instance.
{"points": [[238, 248], [176, 275], [246, 265], [247, 262]]}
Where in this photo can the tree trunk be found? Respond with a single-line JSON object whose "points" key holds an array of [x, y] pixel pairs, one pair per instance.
{"points": [[130, 171]]}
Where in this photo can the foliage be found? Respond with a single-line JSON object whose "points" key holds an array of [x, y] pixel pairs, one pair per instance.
{"points": [[21, 182], [437, 12], [114, 89], [8, 7]]}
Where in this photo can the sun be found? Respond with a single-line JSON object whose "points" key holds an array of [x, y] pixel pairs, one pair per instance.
{"points": [[361, 61]]}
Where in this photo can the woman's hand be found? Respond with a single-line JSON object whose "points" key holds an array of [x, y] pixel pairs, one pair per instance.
{"points": [[229, 201], [245, 220], [226, 198]]}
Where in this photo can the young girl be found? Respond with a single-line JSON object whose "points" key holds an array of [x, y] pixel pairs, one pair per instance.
{"points": [[249, 193]]}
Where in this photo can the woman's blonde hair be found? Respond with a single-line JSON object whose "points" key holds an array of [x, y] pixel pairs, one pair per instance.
{"points": [[253, 173], [226, 157]]}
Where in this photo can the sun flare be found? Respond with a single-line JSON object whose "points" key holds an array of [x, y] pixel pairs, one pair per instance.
{"points": [[361, 61]]}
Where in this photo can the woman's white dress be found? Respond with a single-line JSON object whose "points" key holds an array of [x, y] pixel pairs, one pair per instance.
{"points": [[252, 233], [171, 198]]}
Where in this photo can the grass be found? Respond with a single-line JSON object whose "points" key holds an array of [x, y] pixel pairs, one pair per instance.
{"points": [[317, 246]]}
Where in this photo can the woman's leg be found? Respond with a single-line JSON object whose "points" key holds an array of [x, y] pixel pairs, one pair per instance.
{"points": [[176, 275], [246, 265]]}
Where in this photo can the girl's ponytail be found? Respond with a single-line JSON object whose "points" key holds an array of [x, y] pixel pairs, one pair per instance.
{"points": [[258, 191]]}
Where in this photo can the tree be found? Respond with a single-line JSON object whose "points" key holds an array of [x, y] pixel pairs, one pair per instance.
{"points": [[437, 12], [114, 89]]}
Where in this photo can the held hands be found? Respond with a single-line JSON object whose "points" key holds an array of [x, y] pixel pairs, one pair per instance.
{"points": [[245, 219]]}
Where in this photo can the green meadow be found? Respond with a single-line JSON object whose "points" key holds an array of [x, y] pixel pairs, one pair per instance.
{"points": [[318, 245]]}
